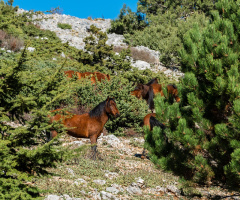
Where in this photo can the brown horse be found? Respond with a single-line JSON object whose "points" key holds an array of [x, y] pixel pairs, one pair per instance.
{"points": [[149, 90], [172, 90], [88, 125], [95, 76], [150, 121]]}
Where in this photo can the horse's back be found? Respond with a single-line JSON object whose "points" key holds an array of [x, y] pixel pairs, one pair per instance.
{"points": [[58, 116], [69, 73], [77, 125], [146, 120], [100, 76], [136, 93], [157, 88]]}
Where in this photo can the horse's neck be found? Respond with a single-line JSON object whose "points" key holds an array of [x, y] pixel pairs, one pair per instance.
{"points": [[103, 118], [145, 91]]}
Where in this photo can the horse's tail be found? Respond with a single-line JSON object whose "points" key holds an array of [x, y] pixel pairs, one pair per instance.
{"points": [[150, 98], [155, 122], [108, 77]]}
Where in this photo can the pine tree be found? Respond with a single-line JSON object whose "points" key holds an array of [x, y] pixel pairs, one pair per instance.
{"points": [[128, 21], [203, 131], [181, 8], [24, 150], [100, 55]]}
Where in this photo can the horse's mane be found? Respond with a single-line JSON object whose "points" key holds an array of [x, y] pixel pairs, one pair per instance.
{"points": [[174, 86], [97, 111], [155, 122], [154, 80]]}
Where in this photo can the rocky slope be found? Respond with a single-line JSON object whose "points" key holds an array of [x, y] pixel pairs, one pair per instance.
{"points": [[75, 36], [120, 175]]}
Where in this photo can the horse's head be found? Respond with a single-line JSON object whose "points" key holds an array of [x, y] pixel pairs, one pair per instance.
{"points": [[111, 107], [137, 93], [139, 86], [177, 99], [172, 89]]}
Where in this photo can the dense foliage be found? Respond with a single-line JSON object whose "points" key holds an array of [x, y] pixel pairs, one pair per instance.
{"points": [[64, 26], [164, 23], [203, 140]]}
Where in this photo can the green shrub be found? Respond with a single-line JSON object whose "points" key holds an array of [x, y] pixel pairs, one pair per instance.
{"points": [[202, 132], [100, 55], [24, 150], [64, 26], [165, 34]]}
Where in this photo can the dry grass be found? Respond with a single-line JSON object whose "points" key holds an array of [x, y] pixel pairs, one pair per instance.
{"points": [[138, 54], [89, 18], [9, 42]]}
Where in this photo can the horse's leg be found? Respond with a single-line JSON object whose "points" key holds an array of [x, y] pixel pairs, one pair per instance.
{"points": [[143, 156], [93, 140], [94, 150]]}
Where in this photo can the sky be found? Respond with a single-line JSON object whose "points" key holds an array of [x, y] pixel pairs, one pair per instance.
{"points": [[107, 9]]}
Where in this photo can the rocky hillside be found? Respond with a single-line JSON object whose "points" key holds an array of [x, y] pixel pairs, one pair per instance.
{"points": [[149, 59], [119, 174]]}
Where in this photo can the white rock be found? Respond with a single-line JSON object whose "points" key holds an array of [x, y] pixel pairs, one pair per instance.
{"points": [[99, 182], [111, 175], [134, 190], [70, 171], [173, 189], [106, 195], [80, 181], [112, 190], [52, 197], [141, 65], [31, 49]]}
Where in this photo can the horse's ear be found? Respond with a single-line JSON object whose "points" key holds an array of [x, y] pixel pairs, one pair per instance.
{"points": [[107, 98]]}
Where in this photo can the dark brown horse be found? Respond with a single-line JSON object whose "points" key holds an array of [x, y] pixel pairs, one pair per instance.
{"points": [[141, 90], [149, 90], [94, 76], [150, 121], [88, 125]]}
